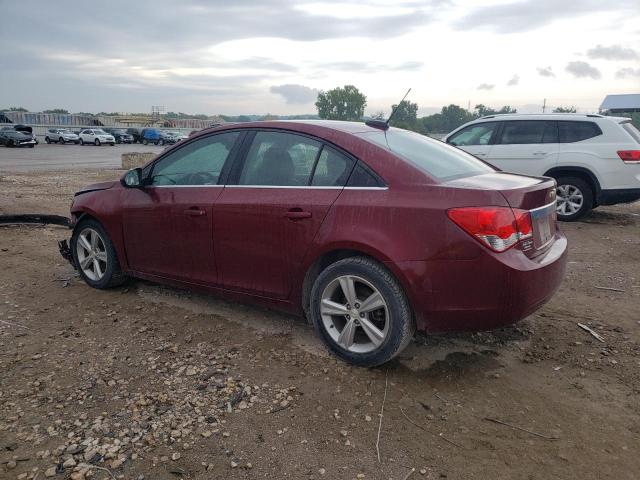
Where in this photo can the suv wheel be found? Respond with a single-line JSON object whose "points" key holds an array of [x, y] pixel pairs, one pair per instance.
{"points": [[574, 198], [61, 141], [144, 141], [47, 139], [97, 142], [95, 257], [360, 311]]}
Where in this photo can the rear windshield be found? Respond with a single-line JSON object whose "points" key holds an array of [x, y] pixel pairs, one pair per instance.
{"points": [[437, 159], [631, 130]]}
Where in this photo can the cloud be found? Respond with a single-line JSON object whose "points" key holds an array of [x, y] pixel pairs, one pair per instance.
{"points": [[485, 86], [366, 67], [514, 81], [628, 73], [295, 94], [545, 72], [583, 70], [524, 15], [613, 52]]}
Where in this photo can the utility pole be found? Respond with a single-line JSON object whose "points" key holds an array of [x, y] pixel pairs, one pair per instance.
{"points": [[544, 105]]}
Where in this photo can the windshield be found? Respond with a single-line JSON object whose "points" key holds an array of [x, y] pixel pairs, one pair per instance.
{"points": [[120, 131], [100, 132], [437, 159]]}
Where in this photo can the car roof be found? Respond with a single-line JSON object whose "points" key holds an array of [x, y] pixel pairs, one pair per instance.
{"points": [[338, 125]]}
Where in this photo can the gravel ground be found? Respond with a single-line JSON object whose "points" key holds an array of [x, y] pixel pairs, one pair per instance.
{"points": [[152, 382]]}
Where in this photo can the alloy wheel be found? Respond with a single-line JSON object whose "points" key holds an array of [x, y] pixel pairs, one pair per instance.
{"points": [[354, 314], [569, 200], [92, 254]]}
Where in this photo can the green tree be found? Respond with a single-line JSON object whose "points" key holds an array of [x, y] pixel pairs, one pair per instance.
{"points": [[379, 115], [15, 109], [481, 110], [406, 112], [570, 109], [341, 103], [56, 110]]}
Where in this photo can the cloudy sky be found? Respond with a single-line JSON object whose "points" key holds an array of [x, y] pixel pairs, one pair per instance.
{"points": [[272, 56]]}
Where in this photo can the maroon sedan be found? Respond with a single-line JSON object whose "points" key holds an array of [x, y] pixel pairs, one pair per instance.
{"points": [[369, 232]]}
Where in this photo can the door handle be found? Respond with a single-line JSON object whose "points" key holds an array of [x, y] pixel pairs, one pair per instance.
{"points": [[479, 154], [195, 212], [297, 214], [539, 153]]}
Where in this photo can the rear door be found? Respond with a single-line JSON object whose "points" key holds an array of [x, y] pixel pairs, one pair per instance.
{"points": [[273, 206], [475, 139], [168, 224], [526, 146]]}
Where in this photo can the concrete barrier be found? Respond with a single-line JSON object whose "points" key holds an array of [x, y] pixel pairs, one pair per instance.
{"points": [[135, 159]]}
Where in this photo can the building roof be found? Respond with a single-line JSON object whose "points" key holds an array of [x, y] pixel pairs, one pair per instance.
{"points": [[621, 102]]}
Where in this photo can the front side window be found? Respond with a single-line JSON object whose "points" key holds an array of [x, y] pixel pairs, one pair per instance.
{"points": [[197, 163], [279, 159], [576, 131], [523, 132], [435, 158], [478, 134]]}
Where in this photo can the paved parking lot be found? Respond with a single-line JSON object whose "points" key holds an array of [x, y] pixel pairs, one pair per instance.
{"points": [[66, 157]]}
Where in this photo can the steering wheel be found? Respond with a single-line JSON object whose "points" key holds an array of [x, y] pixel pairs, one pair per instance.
{"points": [[202, 178]]}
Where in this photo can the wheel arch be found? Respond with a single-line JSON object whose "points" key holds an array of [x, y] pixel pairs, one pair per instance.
{"points": [[334, 254], [580, 172]]}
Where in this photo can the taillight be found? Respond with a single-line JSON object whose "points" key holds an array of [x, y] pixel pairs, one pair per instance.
{"points": [[629, 156], [498, 228]]}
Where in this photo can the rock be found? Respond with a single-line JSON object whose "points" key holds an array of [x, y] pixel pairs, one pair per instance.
{"points": [[423, 471], [322, 471], [70, 462], [367, 418], [11, 464], [50, 472], [233, 464], [175, 456]]}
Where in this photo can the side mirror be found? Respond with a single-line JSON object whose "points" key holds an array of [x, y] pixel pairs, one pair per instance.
{"points": [[133, 178]]}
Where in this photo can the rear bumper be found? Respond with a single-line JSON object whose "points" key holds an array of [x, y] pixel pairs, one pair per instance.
{"points": [[486, 292], [613, 197]]}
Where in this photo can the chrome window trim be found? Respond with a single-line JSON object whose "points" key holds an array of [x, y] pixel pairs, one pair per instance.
{"points": [[310, 187], [185, 186]]}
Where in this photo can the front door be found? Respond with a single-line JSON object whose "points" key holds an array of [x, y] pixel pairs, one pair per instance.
{"points": [[266, 221], [168, 224], [475, 139]]}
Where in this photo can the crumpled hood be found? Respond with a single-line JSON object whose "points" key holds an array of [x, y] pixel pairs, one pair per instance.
{"points": [[95, 187]]}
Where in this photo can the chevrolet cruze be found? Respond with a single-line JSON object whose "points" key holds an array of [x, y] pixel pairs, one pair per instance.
{"points": [[370, 232]]}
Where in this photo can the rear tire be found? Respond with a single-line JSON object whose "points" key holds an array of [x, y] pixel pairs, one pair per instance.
{"points": [[81, 142], [61, 141], [574, 198], [378, 313], [145, 142], [47, 140], [108, 273]]}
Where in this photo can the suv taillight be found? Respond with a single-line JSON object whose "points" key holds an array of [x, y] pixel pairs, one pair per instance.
{"points": [[498, 228], [629, 156]]}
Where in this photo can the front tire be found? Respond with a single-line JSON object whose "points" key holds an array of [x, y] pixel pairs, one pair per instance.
{"points": [[145, 142], [95, 257], [47, 140], [81, 142], [97, 142], [361, 312], [61, 141], [574, 198]]}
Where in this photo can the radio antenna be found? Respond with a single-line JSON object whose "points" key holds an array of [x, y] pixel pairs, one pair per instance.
{"points": [[384, 124]]}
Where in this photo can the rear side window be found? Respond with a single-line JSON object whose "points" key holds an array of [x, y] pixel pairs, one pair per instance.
{"points": [[363, 177], [528, 132], [332, 169], [577, 131], [280, 159], [435, 158], [631, 130], [478, 134]]}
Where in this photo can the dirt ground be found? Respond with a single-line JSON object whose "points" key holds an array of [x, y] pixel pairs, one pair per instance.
{"points": [[152, 382]]}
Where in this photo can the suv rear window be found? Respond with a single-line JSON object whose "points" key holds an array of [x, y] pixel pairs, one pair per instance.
{"points": [[577, 131], [631, 130], [522, 132], [437, 159]]}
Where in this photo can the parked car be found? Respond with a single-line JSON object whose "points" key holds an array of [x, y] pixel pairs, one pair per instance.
{"points": [[26, 129], [594, 159], [135, 133], [120, 134], [157, 137], [371, 234], [96, 136], [61, 136], [9, 137]]}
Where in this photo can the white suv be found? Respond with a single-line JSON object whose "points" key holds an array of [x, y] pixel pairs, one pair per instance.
{"points": [[96, 136], [594, 159]]}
